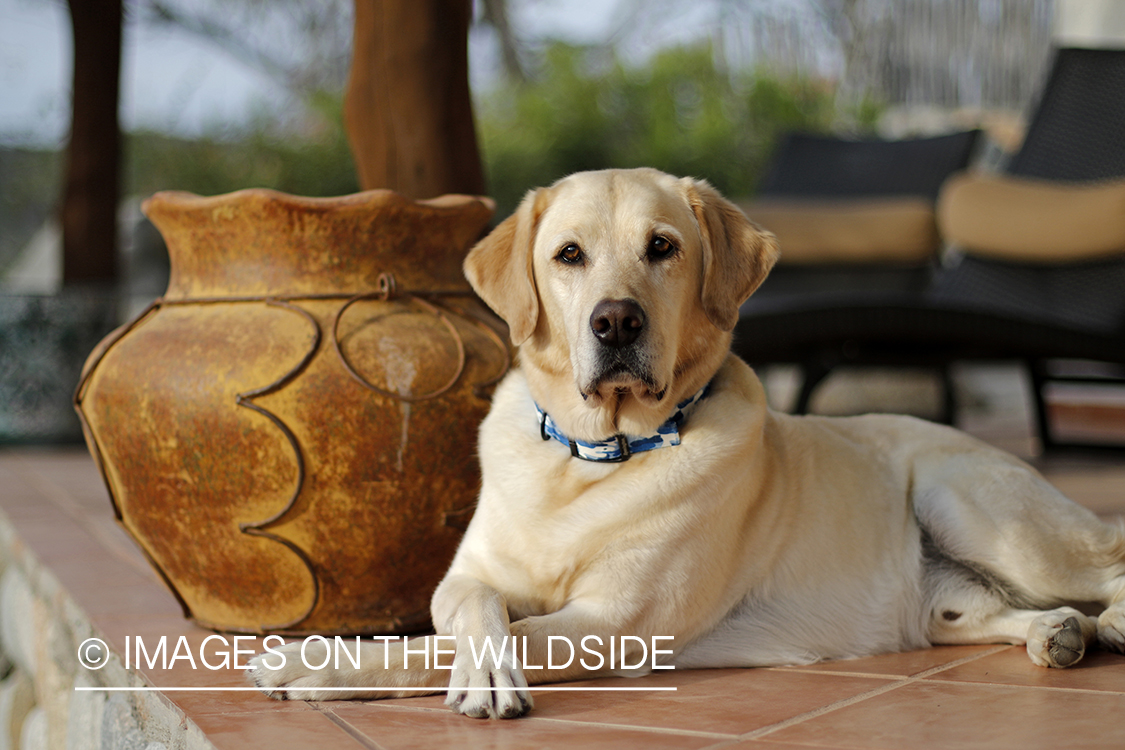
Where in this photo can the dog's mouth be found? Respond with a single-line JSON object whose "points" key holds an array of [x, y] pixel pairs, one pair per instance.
{"points": [[620, 376]]}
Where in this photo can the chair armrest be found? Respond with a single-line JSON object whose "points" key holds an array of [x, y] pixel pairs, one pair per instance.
{"points": [[1031, 220]]}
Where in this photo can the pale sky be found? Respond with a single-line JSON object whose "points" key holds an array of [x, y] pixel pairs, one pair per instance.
{"points": [[168, 82], [174, 82]]}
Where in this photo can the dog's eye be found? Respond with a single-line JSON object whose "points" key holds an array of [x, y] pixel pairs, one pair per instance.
{"points": [[571, 254], [660, 248]]}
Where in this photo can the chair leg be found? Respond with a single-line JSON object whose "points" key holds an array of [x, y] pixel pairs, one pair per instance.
{"points": [[814, 371], [1038, 371], [948, 414]]}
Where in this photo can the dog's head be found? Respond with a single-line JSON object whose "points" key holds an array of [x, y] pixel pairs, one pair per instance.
{"points": [[621, 288]]}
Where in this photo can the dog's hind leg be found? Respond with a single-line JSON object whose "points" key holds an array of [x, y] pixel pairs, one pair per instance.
{"points": [[1005, 551], [967, 610], [1111, 622], [1111, 628]]}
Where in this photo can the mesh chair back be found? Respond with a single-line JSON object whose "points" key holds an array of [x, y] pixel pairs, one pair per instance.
{"points": [[826, 167], [1077, 133], [1078, 129]]}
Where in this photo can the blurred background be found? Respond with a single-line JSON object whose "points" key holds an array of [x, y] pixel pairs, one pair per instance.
{"points": [[218, 95]]}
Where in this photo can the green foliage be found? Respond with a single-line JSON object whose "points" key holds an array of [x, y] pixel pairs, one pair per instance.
{"points": [[679, 113], [315, 164]]}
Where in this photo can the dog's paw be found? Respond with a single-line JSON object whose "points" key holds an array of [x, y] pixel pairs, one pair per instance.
{"points": [[282, 674], [1055, 639], [1111, 628], [490, 691]]}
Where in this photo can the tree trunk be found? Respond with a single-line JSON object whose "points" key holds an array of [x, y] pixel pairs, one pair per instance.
{"points": [[407, 110], [89, 210]]}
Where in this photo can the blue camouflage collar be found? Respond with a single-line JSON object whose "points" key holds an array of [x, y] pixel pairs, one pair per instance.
{"points": [[620, 447]]}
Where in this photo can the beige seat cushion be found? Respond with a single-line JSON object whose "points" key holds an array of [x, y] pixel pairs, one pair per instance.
{"points": [[849, 230], [1021, 219]]}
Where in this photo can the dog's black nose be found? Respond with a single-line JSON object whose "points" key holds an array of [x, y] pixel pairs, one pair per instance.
{"points": [[617, 322]]}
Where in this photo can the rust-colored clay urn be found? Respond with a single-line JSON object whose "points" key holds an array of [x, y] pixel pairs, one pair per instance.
{"points": [[290, 432]]}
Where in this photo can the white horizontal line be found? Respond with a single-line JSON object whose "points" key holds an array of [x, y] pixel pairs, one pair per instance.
{"points": [[342, 689]]}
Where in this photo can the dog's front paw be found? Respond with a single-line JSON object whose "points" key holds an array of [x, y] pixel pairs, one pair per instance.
{"points": [[1055, 638], [283, 673], [490, 691], [1111, 628]]}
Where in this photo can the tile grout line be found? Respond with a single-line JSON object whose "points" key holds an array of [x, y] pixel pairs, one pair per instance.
{"points": [[378, 703], [639, 728], [964, 660], [930, 672], [347, 728], [575, 722], [1053, 688], [822, 710], [834, 673], [830, 708]]}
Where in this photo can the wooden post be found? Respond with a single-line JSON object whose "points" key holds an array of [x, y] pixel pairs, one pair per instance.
{"points": [[89, 210], [407, 109]]}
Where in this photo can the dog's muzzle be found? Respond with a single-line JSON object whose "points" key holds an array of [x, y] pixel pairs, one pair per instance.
{"points": [[620, 357]]}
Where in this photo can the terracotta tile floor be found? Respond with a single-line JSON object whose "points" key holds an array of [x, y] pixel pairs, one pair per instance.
{"points": [[951, 697]]}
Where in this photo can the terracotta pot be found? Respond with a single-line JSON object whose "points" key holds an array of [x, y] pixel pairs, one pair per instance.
{"points": [[290, 432]]}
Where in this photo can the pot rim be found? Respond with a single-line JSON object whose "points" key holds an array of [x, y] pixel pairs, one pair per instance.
{"points": [[185, 199]]}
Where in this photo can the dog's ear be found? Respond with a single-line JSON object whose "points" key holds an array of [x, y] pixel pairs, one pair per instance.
{"points": [[499, 267], [737, 255]]}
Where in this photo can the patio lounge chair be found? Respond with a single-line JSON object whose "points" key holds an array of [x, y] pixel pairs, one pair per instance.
{"points": [[1059, 296], [856, 223]]}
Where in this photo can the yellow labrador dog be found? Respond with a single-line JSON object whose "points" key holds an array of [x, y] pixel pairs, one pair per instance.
{"points": [[642, 508]]}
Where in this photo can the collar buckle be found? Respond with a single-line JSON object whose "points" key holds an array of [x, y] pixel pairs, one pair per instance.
{"points": [[623, 446], [623, 451]]}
